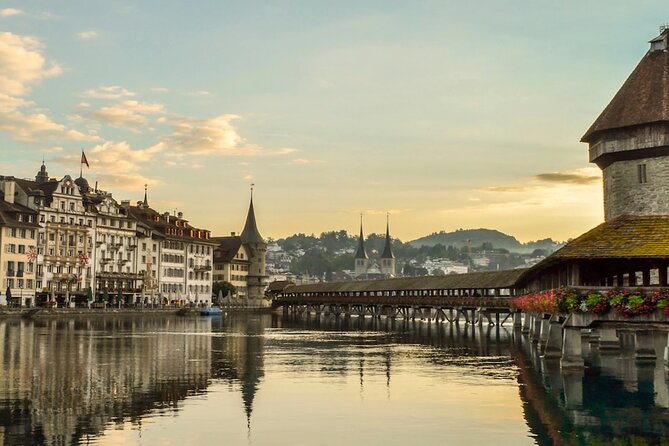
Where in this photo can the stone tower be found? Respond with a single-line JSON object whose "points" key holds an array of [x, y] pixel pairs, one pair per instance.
{"points": [[361, 259], [257, 277], [629, 141], [387, 257]]}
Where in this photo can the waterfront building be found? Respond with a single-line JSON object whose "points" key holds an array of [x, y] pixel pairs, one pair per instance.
{"points": [[114, 260], [256, 276], [629, 141], [65, 237], [18, 249], [184, 259], [232, 262]]}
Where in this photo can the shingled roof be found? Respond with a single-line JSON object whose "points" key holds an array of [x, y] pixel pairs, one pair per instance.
{"points": [[623, 237], [643, 98], [227, 248], [479, 280]]}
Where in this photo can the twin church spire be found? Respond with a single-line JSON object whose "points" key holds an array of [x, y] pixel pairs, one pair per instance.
{"points": [[366, 270]]}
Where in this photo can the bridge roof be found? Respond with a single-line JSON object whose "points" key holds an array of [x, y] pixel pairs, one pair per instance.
{"points": [[479, 280]]}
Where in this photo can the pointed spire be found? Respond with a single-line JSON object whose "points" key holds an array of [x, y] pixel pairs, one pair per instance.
{"points": [[250, 234], [387, 249], [145, 203], [361, 253]]}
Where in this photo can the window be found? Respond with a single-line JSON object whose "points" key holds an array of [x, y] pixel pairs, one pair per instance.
{"points": [[641, 173]]}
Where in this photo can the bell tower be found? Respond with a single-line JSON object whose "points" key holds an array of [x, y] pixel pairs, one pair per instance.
{"points": [[361, 258], [387, 256], [257, 277]]}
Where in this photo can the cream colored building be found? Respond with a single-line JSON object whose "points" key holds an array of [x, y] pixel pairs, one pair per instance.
{"points": [[231, 263], [18, 244]]}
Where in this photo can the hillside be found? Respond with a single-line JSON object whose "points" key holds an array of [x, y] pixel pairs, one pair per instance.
{"points": [[477, 237]]}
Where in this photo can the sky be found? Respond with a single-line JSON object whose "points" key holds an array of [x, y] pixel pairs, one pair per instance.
{"points": [[445, 114]]}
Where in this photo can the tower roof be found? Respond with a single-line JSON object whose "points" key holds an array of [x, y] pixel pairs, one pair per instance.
{"points": [[644, 97], [250, 234], [361, 253], [387, 248]]}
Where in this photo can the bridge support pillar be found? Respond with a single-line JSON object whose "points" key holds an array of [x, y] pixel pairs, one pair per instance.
{"points": [[608, 340], [553, 345], [535, 332], [572, 354], [543, 335], [573, 388], [517, 319], [644, 346], [666, 354], [527, 323]]}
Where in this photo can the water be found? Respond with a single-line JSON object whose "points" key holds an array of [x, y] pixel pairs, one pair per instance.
{"points": [[245, 379]]}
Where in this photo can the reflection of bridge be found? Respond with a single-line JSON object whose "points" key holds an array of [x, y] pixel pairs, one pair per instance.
{"points": [[474, 296]]}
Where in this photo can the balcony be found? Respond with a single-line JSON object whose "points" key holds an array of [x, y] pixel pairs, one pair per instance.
{"points": [[10, 273], [200, 268]]}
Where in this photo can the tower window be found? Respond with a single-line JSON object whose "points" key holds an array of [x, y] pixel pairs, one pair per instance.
{"points": [[641, 173]]}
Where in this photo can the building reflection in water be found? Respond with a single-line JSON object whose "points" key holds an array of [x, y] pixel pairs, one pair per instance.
{"points": [[613, 401], [64, 380]]}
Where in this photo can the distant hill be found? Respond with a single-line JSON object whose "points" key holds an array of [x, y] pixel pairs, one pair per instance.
{"points": [[477, 237]]}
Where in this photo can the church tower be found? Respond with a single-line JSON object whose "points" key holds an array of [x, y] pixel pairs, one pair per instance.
{"points": [[257, 277], [361, 259], [42, 176], [387, 257], [629, 140]]}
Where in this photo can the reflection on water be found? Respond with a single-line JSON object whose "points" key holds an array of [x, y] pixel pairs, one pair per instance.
{"points": [[270, 379]]}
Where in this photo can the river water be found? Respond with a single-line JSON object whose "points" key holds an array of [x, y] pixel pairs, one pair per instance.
{"points": [[250, 379]]}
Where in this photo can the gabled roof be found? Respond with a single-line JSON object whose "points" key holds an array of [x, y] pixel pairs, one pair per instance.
{"points": [[643, 98], [478, 280], [250, 234], [227, 248]]}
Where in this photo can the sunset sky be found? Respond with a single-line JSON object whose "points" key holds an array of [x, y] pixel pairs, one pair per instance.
{"points": [[447, 114]]}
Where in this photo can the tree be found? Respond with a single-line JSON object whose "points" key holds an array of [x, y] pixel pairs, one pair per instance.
{"points": [[224, 287]]}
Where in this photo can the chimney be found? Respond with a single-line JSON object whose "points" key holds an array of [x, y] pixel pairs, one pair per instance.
{"points": [[10, 189], [180, 215], [166, 216], [125, 203]]}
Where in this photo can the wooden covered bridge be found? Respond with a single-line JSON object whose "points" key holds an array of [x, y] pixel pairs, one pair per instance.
{"points": [[474, 296]]}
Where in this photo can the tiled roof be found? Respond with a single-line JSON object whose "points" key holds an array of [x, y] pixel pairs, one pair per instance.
{"points": [[227, 248], [148, 217], [479, 280], [8, 217], [643, 98], [624, 237]]}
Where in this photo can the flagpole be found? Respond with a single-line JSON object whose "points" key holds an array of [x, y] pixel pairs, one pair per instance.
{"points": [[81, 164]]}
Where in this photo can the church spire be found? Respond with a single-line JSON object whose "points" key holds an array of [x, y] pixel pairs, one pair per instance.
{"points": [[387, 249], [361, 253], [42, 176], [145, 203], [250, 234]]}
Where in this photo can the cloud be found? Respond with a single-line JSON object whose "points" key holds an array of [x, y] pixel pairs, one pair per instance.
{"points": [[506, 189], [116, 165], [88, 35], [579, 177], [108, 92], [303, 161], [582, 176], [216, 136], [129, 113], [10, 12], [21, 64]]}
